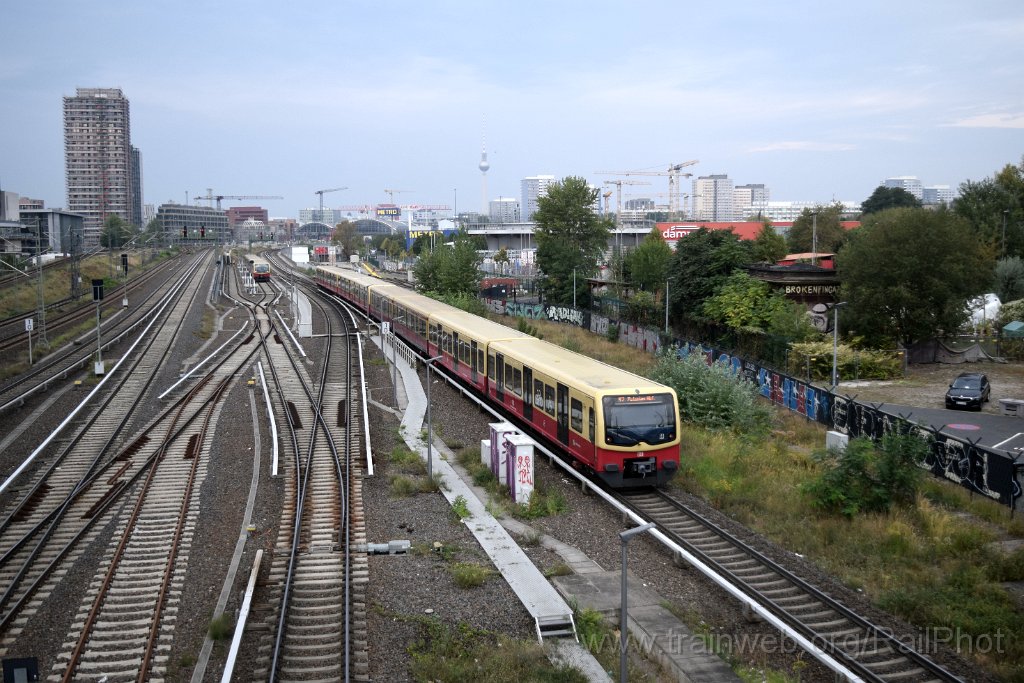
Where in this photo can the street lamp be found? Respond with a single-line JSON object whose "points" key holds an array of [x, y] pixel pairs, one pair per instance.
{"points": [[430, 424], [1005, 212], [835, 342], [624, 536], [814, 238], [666, 305]]}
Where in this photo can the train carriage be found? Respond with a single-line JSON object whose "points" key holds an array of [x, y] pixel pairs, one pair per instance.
{"points": [[461, 339], [350, 285]]}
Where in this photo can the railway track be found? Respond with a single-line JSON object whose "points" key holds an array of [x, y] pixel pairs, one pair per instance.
{"points": [[310, 581], [870, 651], [62, 363], [84, 490]]}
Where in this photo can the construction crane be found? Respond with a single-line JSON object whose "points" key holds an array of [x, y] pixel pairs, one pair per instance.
{"points": [[606, 195], [391, 194], [618, 212], [618, 196], [673, 172], [210, 197], [320, 216]]}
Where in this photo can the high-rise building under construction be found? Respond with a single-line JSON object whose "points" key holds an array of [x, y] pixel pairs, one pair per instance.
{"points": [[101, 167]]}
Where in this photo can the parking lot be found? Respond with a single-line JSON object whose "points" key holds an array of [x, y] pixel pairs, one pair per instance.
{"points": [[925, 385]]}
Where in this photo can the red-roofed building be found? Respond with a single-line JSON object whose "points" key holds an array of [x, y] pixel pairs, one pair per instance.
{"points": [[672, 231]]}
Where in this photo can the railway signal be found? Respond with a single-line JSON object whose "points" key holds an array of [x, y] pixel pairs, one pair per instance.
{"points": [[28, 328], [97, 296]]}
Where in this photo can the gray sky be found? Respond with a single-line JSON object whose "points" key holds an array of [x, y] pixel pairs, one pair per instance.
{"points": [[818, 100]]}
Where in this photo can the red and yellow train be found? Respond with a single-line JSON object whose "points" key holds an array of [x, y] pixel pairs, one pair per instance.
{"points": [[623, 427], [259, 268]]}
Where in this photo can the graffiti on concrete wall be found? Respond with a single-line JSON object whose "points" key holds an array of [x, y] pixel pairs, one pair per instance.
{"points": [[566, 315], [972, 466]]}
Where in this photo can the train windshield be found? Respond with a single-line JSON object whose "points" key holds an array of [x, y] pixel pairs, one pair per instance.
{"points": [[635, 419], [262, 268]]}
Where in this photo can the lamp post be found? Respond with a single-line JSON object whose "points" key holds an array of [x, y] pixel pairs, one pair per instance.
{"points": [[430, 424], [624, 536], [814, 238], [835, 342], [666, 305], [1005, 213]]}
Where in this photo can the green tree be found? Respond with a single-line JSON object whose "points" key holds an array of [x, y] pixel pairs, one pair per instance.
{"points": [[647, 265], [502, 258], [1009, 279], [769, 246], [995, 209], [347, 237], [451, 269], [830, 233], [703, 261], [888, 198], [570, 238], [747, 304], [907, 275], [115, 232]]}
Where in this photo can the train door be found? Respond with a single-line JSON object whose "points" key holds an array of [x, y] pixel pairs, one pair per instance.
{"points": [[456, 351], [473, 367], [499, 377], [528, 393], [562, 408]]}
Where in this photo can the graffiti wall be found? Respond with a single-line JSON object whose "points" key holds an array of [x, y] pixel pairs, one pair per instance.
{"points": [[990, 474]]}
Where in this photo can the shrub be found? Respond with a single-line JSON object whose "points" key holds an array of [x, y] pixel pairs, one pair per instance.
{"points": [[866, 477], [220, 628], [612, 334], [712, 396], [469, 574], [816, 358], [460, 507], [524, 326]]}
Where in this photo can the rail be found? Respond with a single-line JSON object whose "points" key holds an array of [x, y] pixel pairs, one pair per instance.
{"points": [[819, 654], [270, 416], [243, 615], [202, 362]]}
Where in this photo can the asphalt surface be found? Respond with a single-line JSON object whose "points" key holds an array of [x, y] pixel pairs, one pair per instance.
{"points": [[995, 432]]}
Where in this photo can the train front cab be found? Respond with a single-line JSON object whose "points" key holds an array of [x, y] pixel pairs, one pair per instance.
{"points": [[638, 436], [566, 407]]}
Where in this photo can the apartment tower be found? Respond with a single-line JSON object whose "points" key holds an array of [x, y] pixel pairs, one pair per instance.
{"points": [[98, 159]]}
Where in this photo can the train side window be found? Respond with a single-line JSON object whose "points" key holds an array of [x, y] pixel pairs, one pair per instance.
{"points": [[538, 393], [479, 359], [576, 415], [517, 382], [490, 366], [590, 420], [508, 376], [549, 399]]}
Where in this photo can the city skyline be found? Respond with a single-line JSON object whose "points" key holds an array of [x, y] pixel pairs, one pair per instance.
{"points": [[288, 100]]}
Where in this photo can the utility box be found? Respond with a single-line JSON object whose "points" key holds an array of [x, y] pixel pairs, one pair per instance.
{"points": [[836, 441], [498, 463], [519, 466], [485, 452]]}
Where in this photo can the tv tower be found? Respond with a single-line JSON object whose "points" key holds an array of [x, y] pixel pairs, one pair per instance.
{"points": [[484, 166]]}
